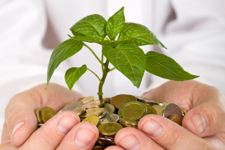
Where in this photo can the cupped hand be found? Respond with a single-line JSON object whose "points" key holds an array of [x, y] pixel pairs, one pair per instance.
{"points": [[63, 131], [203, 126]]}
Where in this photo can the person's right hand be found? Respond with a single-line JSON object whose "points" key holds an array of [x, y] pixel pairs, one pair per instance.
{"points": [[63, 131]]}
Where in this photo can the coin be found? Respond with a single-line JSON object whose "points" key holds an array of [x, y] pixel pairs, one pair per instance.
{"points": [[159, 109], [184, 112], [121, 99], [92, 119], [79, 110], [72, 105], [109, 129], [128, 123], [92, 104], [98, 147], [150, 109], [109, 108], [172, 109], [103, 113], [92, 112], [37, 112], [145, 100], [110, 118], [47, 113], [105, 140], [132, 110], [106, 100], [161, 103], [176, 119], [87, 99]]}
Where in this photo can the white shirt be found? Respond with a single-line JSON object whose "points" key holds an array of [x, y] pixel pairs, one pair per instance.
{"points": [[193, 31]]}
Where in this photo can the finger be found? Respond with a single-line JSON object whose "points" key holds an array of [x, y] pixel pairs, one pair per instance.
{"points": [[169, 134], [82, 137], [52, 132], [204, 103], [19, 115], [113, 148], [205, 120], [133, 139]]}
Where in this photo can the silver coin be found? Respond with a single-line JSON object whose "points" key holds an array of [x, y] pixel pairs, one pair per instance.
{"points": [[145, 100], [110, 118], [103, 114], [72, 106], [172, 109]]}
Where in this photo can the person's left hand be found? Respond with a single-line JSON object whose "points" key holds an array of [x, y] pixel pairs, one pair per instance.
{"points": [[203, 127]]}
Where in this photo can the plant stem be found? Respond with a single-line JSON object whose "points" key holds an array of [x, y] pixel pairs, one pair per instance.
{"points": [[93, 53], [94, 74], [105, 72]]}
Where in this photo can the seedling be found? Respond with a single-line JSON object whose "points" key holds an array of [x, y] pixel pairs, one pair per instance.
{"points": [[120, 43]]}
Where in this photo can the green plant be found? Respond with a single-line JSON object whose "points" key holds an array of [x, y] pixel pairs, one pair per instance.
{"points": [[120, 46]]}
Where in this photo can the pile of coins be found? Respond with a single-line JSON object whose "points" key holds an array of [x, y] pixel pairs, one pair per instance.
{"points": [[116, 113]]}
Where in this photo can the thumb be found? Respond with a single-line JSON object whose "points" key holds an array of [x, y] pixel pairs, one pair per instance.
{"points": [[169, 134], [19, 115]]}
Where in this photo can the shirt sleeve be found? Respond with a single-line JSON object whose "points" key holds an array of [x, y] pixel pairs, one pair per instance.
{"points": [[23, 58]]}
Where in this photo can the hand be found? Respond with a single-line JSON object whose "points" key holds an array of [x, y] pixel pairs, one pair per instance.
{"points": [[63, 131], [203, 125]]}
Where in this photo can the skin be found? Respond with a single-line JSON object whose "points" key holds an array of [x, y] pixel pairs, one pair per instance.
{"points": [[202, 102]]}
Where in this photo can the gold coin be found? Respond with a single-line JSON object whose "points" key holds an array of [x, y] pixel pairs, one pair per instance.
{"points": [[72, 105], [109, 108], [87, 99], [92, 104], [106, 100], [98, 147], [176, 119], [128, 123], [184, 112], [122, 99], [110, 118], [109, 129], [92, 119], [92, 112], [37, 112], [47, 113], [159, 109], [132, 110], [150, 109], [79, 110]]}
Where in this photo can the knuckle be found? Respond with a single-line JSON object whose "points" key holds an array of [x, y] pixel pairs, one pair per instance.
{"points": [[47, 140], [175, 141]]}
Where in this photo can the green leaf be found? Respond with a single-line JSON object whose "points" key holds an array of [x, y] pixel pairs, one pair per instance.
{"points": [[165, 67], [129, 59], [73, 74], [90, 29], [115, 24], [138, 34], [63, 51]]}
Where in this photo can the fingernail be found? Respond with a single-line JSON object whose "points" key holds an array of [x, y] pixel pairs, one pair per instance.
{"points": [[66, 123], [199, 122], [130, 143], [18, 125], [84, 137], [152, 128]]}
